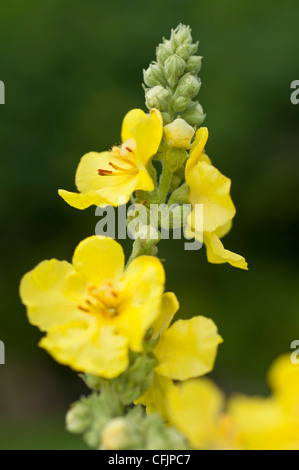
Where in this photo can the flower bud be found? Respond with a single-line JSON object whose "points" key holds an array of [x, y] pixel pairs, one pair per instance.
{"points": [[193, 64], [114, 435], [175, 158], [187, 88], [178, 134], [180, 103], [157, 97], [164, 51], [154, 75], [183, 34], [174, 68], [166, 118], [184, 51], [78, 418], [194, 114]]}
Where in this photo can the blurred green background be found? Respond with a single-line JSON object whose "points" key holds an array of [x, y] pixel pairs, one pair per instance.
{"points": [[72, 69]]}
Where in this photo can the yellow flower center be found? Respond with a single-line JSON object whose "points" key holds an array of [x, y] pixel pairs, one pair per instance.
{"points": [[123, 160], [102, 300]]}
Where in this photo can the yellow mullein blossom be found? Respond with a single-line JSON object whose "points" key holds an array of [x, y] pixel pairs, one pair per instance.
{"points": [[92, 310], [283, 378], [211, 189], [111, 177], [194, 409], [262, 424], [270, 423], [185, 350]]}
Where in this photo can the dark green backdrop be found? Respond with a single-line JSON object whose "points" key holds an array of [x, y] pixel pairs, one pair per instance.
{"points": [[72, 69]]}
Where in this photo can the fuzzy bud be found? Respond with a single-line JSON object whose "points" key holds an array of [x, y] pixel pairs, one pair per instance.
{"points": [[184, 51], [194, 114], [174, 69], [78, 418], [193, 64], [157, 97], [114, 435], [178, 134], [175, 158], [154, 75], [187, 88], [164, 51], [183, 34]]}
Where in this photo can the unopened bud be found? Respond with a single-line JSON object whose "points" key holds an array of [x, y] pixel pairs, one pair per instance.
{"points": [[184, 51], [157, 97], [164, 51], [175, 158], [187, 88], [178, 134], [183, 34], [154, 75], [193, 64], [174, 69], [194, 114], [114, 435], [78, 418], [166, 118]]}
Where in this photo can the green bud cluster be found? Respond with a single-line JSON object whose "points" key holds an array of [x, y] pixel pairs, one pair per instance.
{"points": [[106, 419], [171, 82]]}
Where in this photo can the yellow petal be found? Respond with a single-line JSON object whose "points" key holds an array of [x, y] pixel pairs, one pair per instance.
{"points": [[130, 121], [141, 299], [217, 254], [212, 189], [145, 182], [155, 397], [262, 423], [197, 148], [169, 307], [224, 230], [87, 174], [194, 408], [98, 259], [283, 378], [82, 201], [86, 348], [43, 291], [188, 349], [146, 130], [95, 189]]}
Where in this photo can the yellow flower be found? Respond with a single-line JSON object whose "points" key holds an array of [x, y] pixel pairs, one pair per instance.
{"points": [[211, 189], [185, 350], [270, 423], [262, 424], [111, 177], [284, 381], [178, 134], [92, 310], [194, 409]]}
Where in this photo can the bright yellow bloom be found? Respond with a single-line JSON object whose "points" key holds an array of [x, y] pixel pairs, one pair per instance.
{"points": [[262, 424], [92, 310], [284, 381], [194, 409], [178, 134], [185, 350], [211, 189], [111, 177], [270, 423]]}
